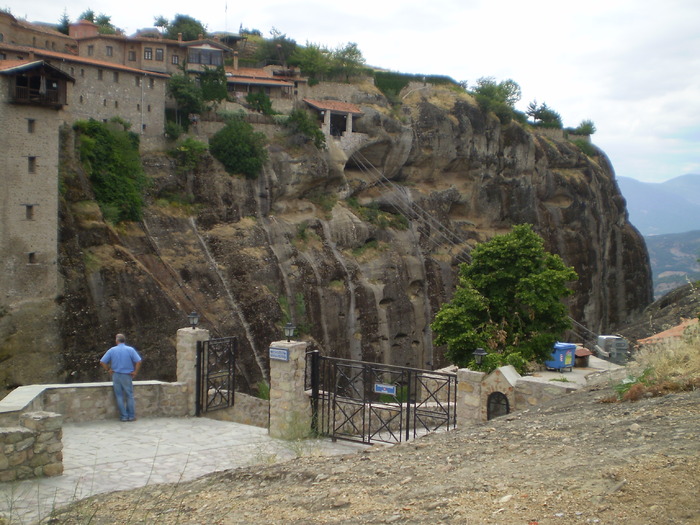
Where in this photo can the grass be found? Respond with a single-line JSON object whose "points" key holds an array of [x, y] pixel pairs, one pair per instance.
{"points": [[663, 368]]}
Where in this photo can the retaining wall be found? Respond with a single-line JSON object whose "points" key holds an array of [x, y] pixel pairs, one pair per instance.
{"points": [[33, 449]]}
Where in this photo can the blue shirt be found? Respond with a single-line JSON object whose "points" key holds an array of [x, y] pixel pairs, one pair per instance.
{"points": [[122, 358]]}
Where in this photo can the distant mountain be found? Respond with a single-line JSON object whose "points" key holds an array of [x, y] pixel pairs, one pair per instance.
{"points": [[674, 260], [667, 207]]}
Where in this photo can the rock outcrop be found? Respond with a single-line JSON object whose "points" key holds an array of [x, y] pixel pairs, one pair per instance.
{"points": [[357, 245]]}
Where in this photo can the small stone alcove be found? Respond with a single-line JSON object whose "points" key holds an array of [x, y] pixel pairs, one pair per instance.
{"points": [[497, 405]]}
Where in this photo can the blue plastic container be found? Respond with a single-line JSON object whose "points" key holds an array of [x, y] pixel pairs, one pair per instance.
{"points": [[563, 356]]}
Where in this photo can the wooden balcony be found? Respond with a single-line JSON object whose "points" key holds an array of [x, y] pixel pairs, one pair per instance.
{"points": [[51, 97]]}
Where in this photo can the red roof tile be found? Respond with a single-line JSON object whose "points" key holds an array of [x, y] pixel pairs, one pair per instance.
{"points": [[43, 53], [334, 105]]}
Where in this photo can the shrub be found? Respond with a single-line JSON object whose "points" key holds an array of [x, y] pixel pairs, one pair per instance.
{"points": [[586, 147], [110, 156], [239, 148], [260, 102], [300, 123], [188, 154], [173, 130]]}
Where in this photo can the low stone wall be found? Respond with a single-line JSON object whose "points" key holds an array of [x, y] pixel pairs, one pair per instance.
{"points": [[93, 401], [33, 449], [247, 410], [530, 392]]}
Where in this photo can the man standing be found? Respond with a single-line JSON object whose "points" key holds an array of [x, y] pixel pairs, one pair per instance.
{"points": [[123, 363]]}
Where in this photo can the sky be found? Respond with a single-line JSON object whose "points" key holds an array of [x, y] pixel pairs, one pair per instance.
{"points": [[630, 66]]}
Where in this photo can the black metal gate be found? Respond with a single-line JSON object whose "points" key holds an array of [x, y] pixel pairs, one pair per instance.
{"points": [[370, 402], [215, 374]]}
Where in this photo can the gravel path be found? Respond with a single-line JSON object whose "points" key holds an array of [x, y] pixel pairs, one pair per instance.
{"points": [[577, 460]]}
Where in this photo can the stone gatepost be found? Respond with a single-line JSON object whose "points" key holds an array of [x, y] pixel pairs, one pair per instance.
{"points": [[290, 407], [186, 346], [469, 397]]}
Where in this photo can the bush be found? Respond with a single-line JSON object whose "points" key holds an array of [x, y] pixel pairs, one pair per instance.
{"points": [[110, 156], [173, 130], [239, 148], [260, 102], [300, 123], [586, 147], [188, 154]]}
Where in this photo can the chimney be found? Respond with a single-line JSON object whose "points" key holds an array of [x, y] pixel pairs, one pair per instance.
{"points": [[200, 36], [179, 37], [32, 57], [235, 60]]}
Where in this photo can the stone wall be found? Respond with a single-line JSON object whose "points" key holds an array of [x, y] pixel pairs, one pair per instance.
{"points": [[93, 401], [247, 410], [33, 449]]}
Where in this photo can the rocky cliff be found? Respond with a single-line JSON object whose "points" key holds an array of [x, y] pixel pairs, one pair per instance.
{"points": [[357, 245]]}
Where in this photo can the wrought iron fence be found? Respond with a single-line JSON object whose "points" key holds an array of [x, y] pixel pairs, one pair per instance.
{"points": [[371, 402]]}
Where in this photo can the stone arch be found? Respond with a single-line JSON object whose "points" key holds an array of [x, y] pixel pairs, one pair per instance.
{"points": [[497, 404]]}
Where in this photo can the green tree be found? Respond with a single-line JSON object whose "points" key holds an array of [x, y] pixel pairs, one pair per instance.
{"points": [[586, 127], [509, 301], [63, 23], [213, 83], [348, 61], [259, 101], [276, 50], [190, 27], [543, 115], [187, 93], [239, 148], [300, 124], [109, 153], [104, 25], [88, 15], [315, 61], [499, 97]]}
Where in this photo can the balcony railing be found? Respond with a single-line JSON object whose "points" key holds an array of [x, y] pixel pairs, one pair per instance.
{"points": [[27, 95]]}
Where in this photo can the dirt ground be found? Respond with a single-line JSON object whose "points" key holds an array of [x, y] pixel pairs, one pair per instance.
{"points": [[577, 460]]}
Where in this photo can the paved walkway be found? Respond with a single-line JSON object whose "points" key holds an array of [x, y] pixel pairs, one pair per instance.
{"points": [[106, 456]]}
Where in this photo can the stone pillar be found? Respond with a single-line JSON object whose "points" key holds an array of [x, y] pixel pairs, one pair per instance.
{"points": [[327, 123], [348, 124], [469, 397], [186, 346], [290, 407]]}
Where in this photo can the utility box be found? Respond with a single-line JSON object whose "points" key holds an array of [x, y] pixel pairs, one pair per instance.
{"points": [[562, 357], [613, 347]]}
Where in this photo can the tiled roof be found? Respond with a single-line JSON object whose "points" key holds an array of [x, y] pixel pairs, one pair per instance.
{"points": [[334, 106], [40, 28], [16, 66], [252, 72], [79, 60]]}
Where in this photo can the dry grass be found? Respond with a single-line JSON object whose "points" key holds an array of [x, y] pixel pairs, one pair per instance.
{"points": [[669, 366]]}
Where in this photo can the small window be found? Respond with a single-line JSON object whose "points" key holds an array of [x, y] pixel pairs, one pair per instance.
{"points": [[31, 258], [109, 51], [31, 164], [81, 99], [143, 127], [132, 56], [159, 54], [104, 102], [99, 74], [138, 107], [175, 59], [82, 72], [2, 37], [151, 83], [46, 44], [137, 80], [72, 71], [115, 76], [3, 56], [116, 103], [149, 108], [148, 53], [31, 125], [29, 212], [91, 50]]}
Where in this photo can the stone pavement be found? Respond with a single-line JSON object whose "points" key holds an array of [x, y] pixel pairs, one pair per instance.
{"points": [[107, 456]]}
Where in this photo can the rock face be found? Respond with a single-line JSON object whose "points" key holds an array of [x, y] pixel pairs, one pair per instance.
{"points": [[318, 239]]}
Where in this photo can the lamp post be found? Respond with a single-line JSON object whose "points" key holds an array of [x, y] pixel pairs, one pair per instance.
{"points": [[479, 355], [193, 318], [289, 331]]}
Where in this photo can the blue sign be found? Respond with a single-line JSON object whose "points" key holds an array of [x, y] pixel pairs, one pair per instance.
{"points": [[279, 354], [385, 389]]}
